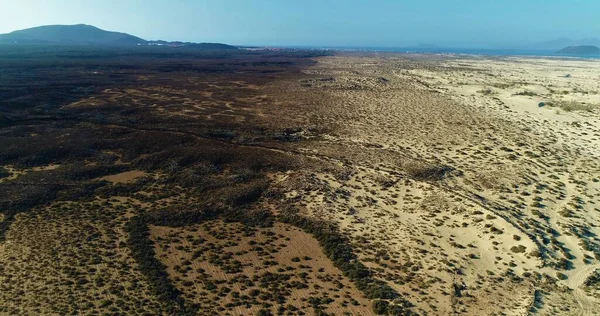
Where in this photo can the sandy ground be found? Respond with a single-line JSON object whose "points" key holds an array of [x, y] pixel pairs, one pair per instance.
{"points": [[126, 176], [455, 184]]}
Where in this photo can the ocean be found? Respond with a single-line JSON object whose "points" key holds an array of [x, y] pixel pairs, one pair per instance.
{"points": [[462, 51]]}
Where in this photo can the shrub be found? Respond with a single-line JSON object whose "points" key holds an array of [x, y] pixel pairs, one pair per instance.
{"points": [[561, 276], [428, 172], [487, 91], [573, 106], [142, 249], [518, 249], [526, 93], [380, 307], [263, 312], [380, 290]]}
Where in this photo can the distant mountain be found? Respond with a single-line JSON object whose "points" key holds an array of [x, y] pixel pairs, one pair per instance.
{"points": [[580, 50], [69, 34], [82, 34], [565, 42]]}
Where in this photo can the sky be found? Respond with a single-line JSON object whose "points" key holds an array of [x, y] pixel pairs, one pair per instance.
{"points": [[374, 23]]}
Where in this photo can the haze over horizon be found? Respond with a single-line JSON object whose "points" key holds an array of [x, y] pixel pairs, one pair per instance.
{"points": [[506, 24]]}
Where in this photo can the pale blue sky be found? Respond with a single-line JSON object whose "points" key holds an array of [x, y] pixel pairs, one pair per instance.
{"points": [[502, 23]]}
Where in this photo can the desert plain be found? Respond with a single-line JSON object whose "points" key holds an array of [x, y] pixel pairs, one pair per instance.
{"points": [[299, 183]]}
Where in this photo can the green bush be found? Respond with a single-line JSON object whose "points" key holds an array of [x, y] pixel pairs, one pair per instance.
{"points": [[380, 307]]}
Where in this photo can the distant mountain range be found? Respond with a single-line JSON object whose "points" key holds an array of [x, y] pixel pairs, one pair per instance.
{"points": [[82, 34], [580, 50], [565, 42]]}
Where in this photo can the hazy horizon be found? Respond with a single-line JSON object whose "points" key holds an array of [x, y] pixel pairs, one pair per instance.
{"points": [[353, 23]]}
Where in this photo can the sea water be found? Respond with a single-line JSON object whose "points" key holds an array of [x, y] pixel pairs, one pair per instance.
{"points": [[460, 51]]}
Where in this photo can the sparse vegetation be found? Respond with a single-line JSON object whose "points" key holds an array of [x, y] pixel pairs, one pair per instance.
{"points": [[526, 93], [269, 183], [573, 106], [428, 172], [487, 91]]}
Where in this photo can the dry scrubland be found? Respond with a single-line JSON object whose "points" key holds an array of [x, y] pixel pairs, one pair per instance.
{"points": [[290, 184], [456, 186]]}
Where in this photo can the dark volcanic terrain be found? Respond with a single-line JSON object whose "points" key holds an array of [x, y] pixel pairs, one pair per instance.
{"points": [[108, 154]]}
